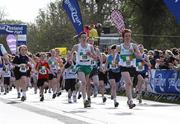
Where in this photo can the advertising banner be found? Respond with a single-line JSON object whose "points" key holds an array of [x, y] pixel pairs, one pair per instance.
{"points": [[117, 19], [174, 8], [13, 29], [73, 12], [165, 81]]}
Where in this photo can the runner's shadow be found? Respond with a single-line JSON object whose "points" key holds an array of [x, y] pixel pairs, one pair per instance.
{"points": [[137, 108], [157, 105], [14, 98], [75, 111], [36, 101], [109, 108], [68, 103], [123, 113], [99, 103], [14, 102]]}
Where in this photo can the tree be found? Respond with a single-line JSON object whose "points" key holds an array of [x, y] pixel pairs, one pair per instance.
{"points": [[144, 17], [151, 17], [2, 14], [52, 29]]}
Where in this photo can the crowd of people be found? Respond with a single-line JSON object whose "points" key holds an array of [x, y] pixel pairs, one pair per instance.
{"points": [[85, 70]]}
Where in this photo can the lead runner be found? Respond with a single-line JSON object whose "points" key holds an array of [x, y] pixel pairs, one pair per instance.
{"points": [[128, 53]]}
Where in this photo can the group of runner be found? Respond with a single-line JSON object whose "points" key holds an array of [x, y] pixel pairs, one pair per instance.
{"points": [[84, 69]]}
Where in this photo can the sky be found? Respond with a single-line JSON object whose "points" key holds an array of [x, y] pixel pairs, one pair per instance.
{"points": [[24, 10]]}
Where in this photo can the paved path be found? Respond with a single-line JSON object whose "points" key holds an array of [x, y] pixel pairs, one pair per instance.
{"points": [[59, 110]]}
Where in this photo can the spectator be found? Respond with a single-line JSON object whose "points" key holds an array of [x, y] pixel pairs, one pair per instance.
{"points": [[93, 33]]}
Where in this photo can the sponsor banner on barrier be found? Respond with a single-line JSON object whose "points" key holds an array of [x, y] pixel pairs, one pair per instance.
{"points": [[165, 81]]}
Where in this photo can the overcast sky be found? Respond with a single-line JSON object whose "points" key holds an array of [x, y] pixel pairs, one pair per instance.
{"points": [[25, 10]]}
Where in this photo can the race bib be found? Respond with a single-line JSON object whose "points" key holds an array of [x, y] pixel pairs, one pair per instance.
{"points": [[127, 59], [140, 66], [53, 67], [103, 67], [84, 57], [23, 69], [43, 70], [73, 69], [113, 66], [5, 69]]}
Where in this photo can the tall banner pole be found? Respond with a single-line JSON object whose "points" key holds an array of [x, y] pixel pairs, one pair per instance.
{"points": [[73, 12], [174, 8]]}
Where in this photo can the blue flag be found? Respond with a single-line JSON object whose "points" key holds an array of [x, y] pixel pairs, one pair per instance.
{"points": [[73, 11], [174, 7]]}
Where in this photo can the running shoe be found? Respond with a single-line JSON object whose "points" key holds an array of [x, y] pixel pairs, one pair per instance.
{"points": [[79, 96], [112, 97], [74, 98], [59, 93], [23, 98], [69, 100], [104, 99], [54, 96], [89, 99], [42, 98], [131, 104], [87, 104], [19, 95], [116, 104], [139, 98]]}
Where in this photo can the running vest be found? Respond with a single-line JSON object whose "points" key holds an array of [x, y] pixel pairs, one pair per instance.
{"points": [[53, 65], [127, 58], [103, 66], [7, 70], [81, 57], [70, 73], [23, 68], [113, 63], [95, 63], [43, 70], [141, 66]]}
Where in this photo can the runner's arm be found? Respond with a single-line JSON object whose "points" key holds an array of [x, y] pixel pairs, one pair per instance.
{"points": [[75, 48], [137, 52], [92, 54]]}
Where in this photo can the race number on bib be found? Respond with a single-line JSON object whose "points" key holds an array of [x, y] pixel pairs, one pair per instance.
{"points": [[23, 69], [127, 59], [140, 66], [84, 57], [43, 70]]}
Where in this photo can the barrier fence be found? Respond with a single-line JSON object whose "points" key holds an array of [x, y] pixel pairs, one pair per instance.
{"points": [[164, 82]]}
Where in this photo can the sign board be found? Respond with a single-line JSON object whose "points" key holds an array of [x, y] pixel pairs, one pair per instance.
{"points": [[117, 19], [19, 43], [63, 51], [165, 82], [13, 29], [11, 41]]}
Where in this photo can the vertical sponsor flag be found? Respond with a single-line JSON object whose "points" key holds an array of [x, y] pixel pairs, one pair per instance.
{"points": [[73, 11], [117, 19], [11, 41], [174, 7]]}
